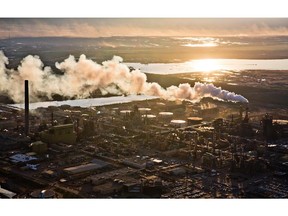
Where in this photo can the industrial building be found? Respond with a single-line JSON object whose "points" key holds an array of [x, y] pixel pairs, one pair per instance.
{"points": [[59, 133], [95, 165], [6, 193], [149, 149]]}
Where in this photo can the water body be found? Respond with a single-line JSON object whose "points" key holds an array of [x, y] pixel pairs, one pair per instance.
{"points": [[88, 102], [206, 65]]}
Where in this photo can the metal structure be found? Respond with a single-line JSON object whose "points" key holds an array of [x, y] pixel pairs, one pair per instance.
{"points": [[26, 90]]}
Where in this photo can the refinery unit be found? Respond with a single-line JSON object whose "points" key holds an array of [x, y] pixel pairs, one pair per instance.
{"points": [[144, 149]]}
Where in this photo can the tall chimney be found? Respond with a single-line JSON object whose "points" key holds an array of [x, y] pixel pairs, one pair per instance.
{"points": [[26, 108]]}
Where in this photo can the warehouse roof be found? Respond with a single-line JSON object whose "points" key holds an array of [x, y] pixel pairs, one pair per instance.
{"points": [[96, 164], [7, 193], [21, 158]]}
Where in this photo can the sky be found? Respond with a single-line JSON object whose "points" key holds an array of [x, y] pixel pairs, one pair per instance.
{"points": [[105, 27]]}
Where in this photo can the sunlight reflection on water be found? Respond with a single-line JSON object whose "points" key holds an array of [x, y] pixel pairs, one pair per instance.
{"points": [[206, 65]]}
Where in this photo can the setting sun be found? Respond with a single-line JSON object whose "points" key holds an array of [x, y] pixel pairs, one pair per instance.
{"points": [[205, 65]]}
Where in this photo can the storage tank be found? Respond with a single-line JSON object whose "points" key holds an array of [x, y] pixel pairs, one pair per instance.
{"points": [[125, 113], [39, 147], [178, 123], [43, 194], [194, 120], [166, 116], [148, 118], [115, 110], [144, 110]]}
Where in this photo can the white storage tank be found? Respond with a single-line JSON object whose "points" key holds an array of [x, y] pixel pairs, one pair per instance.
{"points": [[125, 113], [144, 110], [149, 116], [178, 123], [166, 116]]}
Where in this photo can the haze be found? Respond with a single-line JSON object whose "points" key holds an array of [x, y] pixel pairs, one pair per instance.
{"points": [[105, 27]]}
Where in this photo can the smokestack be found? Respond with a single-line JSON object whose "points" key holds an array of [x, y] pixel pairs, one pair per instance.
{"points": [[26, 90], [52, 118]]}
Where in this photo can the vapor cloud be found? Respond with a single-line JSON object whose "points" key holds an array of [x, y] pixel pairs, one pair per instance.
{"points": [[83, 76]]}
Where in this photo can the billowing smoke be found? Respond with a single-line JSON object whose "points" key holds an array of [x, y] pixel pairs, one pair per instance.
{"points": [[83, 76]]}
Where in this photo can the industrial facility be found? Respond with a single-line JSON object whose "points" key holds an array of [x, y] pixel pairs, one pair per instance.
{"points": [[145, 149]]}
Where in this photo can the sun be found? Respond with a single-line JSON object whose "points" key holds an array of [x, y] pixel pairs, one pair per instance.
{"points": [[205, 65]]}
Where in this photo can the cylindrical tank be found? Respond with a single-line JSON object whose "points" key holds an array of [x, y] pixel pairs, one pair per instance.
{"points": [[144, 110], [84, 115], [148, 118], [178, 123], [166, 116], [194, 120], [43, 194], [125, 113], [39, 147], [115, 110]]}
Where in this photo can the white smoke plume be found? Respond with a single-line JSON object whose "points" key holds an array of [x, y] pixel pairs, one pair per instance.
{"points": [[83, 76]]}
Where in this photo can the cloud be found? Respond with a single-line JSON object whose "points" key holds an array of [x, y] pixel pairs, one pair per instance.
{"points": [[97, 27]]}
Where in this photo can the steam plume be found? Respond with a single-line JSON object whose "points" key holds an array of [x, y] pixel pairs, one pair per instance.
{"points": [[84, 76]]}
